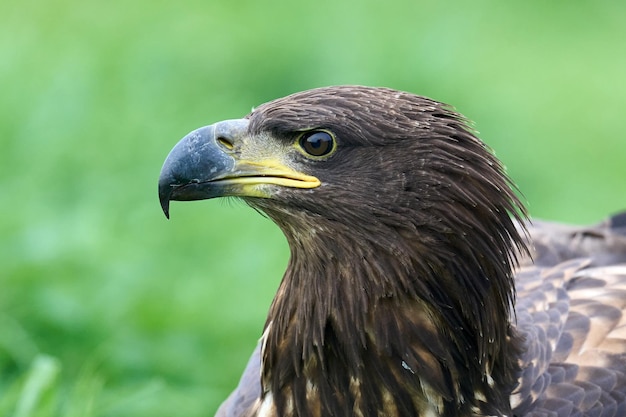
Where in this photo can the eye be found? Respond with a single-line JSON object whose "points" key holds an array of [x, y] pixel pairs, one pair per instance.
{"points": [[317, 143]]}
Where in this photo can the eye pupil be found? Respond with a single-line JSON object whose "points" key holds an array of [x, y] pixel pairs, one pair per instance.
{"points": [[317, 143]]}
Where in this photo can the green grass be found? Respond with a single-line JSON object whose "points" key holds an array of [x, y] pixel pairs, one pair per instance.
{"points": [[106, 308]]}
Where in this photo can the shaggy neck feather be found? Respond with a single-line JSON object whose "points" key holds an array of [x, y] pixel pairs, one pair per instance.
{"points": [[349, 333]]}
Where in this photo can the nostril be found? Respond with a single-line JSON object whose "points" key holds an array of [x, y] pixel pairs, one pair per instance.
{"points": [[225, 143]]}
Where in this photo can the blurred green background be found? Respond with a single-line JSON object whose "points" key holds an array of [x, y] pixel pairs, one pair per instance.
{"points": [[106, 308]]}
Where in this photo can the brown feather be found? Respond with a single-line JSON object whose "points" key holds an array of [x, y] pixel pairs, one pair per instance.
{"points": [[398, 296]]}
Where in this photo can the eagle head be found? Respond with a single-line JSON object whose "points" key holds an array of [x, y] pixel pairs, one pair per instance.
{"points": [[403, 233]]}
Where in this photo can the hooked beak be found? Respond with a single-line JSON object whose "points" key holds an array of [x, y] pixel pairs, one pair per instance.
{"points": [[208, 163]]}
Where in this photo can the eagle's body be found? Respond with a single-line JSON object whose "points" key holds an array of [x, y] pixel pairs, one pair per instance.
{"points": [[407, 249]]}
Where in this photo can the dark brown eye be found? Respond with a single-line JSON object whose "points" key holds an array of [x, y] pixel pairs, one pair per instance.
{"points": [[317, 143]]}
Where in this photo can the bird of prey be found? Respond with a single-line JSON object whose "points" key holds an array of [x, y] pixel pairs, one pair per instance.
{"points": [[416, 286]]}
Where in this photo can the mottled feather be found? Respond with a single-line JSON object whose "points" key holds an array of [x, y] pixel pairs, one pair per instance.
{"points": [[572, 316]]}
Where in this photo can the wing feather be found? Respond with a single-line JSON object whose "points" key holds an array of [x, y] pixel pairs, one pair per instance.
{"points": [[573, 318]]}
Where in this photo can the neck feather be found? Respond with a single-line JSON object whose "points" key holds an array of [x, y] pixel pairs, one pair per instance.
{"points": [[403, 327]]}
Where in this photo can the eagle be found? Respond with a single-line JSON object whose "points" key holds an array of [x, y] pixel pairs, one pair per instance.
{"points": [[416, 285]]}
